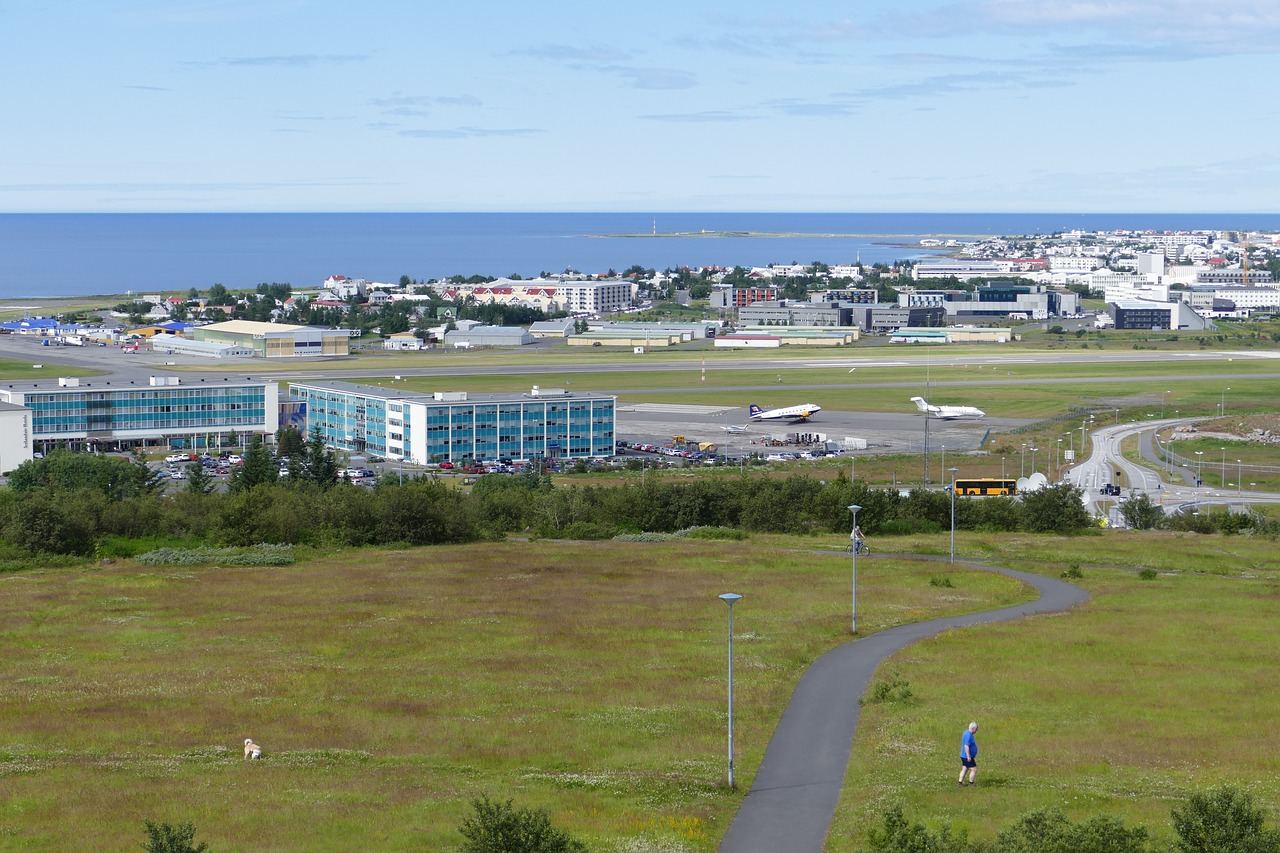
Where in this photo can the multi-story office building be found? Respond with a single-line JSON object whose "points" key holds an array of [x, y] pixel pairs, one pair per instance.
{"points": [[737, 297], [458, 427], [783, 312], [83, 414], [1074, 263], [959, 269], [1138, 314], [1253, 278], [1204, 296]]}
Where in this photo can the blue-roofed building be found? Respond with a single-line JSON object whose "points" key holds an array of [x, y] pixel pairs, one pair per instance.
{"points": [[458, 427]]}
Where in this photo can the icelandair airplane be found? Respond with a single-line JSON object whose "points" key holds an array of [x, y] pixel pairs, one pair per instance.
{"points": [[948, 413], [795, 414]]}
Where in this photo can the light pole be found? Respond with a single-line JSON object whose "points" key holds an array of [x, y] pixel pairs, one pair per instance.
{"points": [[1022, 466], [944, 457], [953, 514], [1117, 411], [1057, 462], [1199, 467], [1239, 477], [853, 582], [1222, 404], [730, 598], [1164, 398], [1224, 465], [1033, 459]]}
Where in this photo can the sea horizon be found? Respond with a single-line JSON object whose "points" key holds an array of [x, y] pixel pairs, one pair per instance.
{"points": [[48, 254]]}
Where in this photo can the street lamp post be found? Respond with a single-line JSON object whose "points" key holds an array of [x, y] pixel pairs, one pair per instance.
{"points": [[944, 457], [853, 582], [1222, 404], [953, 514], [1199, 467], [1224, 465], [1022, 466], [1164, 398], [730, 598], [1057, 461], [1239, 477], [1033, 459]]}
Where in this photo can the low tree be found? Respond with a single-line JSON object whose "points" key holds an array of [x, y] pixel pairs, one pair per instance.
{"points": [[1223, 820], [172, 838], [1055, 509], [502, 828], [1140, 513], [290, 442], [258, 467], [199, 480], [320, 465]]}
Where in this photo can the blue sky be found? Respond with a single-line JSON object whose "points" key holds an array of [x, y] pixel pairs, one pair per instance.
{"points": [[967, 105]]}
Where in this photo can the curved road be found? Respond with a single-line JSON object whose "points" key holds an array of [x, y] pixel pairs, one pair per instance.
{"points": [[793, 798]]}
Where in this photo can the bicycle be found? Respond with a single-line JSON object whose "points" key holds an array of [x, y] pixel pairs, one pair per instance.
{"points": [[864, 550]]}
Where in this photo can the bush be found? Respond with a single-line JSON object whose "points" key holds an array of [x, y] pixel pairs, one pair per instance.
{"points": [[502, 828], [895, 689], [1055, 509], [1073, 572], [1222, 820], [897, 835], [1140, 513], [909, 526], [1049, 831], [941, 580], [172, 838], [258, 555], [712, 533], [1147, 574], [588, 530], [644, 537]]}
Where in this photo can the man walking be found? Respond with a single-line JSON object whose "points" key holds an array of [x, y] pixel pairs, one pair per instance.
{"points": [[969, 754]]}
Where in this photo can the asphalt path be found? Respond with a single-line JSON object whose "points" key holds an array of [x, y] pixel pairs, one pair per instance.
{"points": [[794, 796]]}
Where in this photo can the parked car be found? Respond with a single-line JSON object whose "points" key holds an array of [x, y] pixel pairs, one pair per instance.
{"points": [[174, 458]]}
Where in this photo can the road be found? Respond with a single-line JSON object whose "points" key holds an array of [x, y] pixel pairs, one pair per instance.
{"points": [[794, 795], [1105, 459]]}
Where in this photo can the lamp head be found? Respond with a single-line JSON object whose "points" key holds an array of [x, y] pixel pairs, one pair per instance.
{"points": [[730, 598]]}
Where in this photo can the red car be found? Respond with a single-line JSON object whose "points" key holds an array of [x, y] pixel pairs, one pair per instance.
{"points": [[446, 466]]}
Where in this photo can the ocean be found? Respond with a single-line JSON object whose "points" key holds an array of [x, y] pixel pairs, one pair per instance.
{"points": [[46, 255]]}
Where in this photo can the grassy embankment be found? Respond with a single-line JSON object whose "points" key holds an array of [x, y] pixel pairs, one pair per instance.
{"points": [[390, 687], [1151, 690]]}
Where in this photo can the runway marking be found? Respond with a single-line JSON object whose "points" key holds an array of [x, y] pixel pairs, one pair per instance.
{"points": [[857, 364], [1271, 354], [677, 408]]}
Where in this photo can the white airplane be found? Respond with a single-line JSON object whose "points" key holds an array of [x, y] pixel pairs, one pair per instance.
{"points": [[948, 413], [794, 414], [733, 428]]}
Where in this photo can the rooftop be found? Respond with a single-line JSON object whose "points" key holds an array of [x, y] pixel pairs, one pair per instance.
{"points": [[427, 397]]}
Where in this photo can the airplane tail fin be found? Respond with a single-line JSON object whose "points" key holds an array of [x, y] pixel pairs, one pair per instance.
{"points": [[920, 403], [754, 410]]}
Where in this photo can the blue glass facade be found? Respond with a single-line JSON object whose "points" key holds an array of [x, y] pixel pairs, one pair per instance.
{"points": [[423, 429], [170, 411]]}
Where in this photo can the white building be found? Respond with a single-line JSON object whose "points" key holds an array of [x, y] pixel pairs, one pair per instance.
{"points": [[1118, 287], [1073, 264], [960, 269], [15, 436], [1151, 263], [403, 342]]}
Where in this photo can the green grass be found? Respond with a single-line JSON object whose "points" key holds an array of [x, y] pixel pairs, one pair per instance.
{"points": [[1248, 453], [1151, 690], [12, 368], [390, 687]]}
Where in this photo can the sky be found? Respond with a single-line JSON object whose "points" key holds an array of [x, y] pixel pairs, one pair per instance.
{"points": [[913, 105]]}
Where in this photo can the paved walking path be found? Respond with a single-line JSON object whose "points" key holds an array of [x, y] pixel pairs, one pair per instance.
{"points": [[790, 805]]}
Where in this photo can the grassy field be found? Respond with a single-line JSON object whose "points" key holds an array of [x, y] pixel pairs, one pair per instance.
{"points": [[1265, 458], [12, 368], [1151, 690], [390, 687]]}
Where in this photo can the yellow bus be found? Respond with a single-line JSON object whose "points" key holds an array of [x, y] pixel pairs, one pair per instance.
{"points": [[986, 486]]}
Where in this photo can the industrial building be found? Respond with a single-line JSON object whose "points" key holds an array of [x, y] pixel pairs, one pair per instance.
{"points": [[783, 312], [687, 331], [557, 329], [458, 427], [88, 414], [15, 436], [488, 336], [886, 317], [955, 269], [164, 342], [277, 340], [952, 335]]}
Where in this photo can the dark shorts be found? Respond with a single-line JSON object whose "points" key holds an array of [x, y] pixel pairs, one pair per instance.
{"points": [[969, 762]]}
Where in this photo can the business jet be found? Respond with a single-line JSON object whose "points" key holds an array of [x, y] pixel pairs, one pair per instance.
{"points": [[948, 413], [793, 414]]}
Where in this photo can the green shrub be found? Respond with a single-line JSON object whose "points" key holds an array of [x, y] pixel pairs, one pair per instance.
{"points": [[1223, 820], [897, 835], [1049, 831], [256, 555], [502, 828], [644, 537], [1148, 574], [172, 838], [941, 580], [712, 533], [1073, 572], [588, 530], [893, 690], [909, 526]]}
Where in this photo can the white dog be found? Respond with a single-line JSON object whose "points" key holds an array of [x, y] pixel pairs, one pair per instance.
{"points": [[251, 749]]}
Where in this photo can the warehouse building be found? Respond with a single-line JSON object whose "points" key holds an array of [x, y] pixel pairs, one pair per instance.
{"points": [[277, 340], [164, 342], [93, 414], [488, 336], [458, 427]]}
